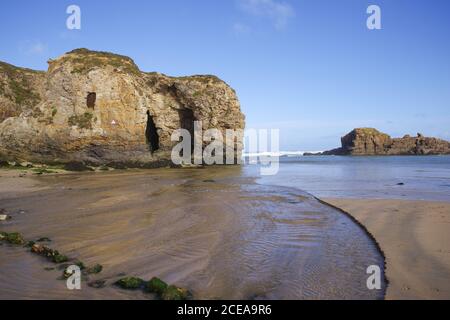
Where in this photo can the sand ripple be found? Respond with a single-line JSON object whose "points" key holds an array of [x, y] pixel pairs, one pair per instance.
{"points": [[213, 231]]}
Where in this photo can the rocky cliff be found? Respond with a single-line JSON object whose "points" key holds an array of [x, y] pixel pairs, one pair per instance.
{"points": [[369, 141], [99, 108]]}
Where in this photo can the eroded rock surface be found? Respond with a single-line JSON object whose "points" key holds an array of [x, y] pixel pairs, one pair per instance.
{"points": [[99, 108], [369, 141]]}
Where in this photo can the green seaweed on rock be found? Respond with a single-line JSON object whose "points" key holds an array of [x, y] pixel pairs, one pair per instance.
{"points": [[156, 285], [12, 238], [174, 293], [52, 255], [130, 283], [95, 269], [40, 171]]}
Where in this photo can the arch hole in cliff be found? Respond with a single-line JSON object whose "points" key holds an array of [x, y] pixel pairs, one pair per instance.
{"points": [[151, 133], [187, 120], [90, 100]]}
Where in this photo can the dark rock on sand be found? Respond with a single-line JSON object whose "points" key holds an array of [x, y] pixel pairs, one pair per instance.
{"points": [[97, 284], [30, 244], [41, 171], [94, 269], [52, 255], [86, 271], [76, 166]]}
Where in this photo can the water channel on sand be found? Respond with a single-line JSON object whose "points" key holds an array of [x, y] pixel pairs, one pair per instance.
{"points": [[214, 231]]}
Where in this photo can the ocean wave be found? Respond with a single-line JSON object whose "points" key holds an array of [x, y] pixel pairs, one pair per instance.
{"points": [[278, 154]]}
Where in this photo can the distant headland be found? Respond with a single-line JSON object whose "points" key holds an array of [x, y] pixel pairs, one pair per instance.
{"points": [[370, 141]]}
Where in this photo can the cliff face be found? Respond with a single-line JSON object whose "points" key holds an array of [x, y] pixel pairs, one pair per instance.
{"points": [[100, 108], [20, 90], [368, 141]]}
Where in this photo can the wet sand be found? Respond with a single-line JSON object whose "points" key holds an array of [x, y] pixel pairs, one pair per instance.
{"points": [[214, 231], [415, 237]]}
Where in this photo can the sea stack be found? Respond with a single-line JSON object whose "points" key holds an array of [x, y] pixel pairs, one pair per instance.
{"points": [[369, 141], [99, 108]]}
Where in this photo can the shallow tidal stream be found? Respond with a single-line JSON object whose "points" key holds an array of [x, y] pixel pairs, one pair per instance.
{"points": [[214, 231]]}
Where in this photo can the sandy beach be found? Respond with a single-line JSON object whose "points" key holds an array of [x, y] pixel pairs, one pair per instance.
{"points": [[415, 238], [214, 231], [193, 222]]}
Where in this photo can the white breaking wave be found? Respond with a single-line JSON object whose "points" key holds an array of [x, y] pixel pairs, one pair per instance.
{"points": [[278, 154]]}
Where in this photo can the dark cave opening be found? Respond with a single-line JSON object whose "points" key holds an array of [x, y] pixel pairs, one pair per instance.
{"points": [[187, 122], [151, 133], [90, 100]]}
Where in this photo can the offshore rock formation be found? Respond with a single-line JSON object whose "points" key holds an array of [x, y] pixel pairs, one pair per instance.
{"points": [[99, 108], [369, 141]]}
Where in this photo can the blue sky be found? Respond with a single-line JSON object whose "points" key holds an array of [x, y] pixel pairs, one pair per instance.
{"points": [[308, 67]]}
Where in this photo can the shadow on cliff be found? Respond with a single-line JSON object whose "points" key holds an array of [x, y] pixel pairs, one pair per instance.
{"points": [[151, 133]]}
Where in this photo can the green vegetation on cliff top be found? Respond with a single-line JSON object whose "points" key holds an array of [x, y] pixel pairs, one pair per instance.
{"points": [[368, 131], [20, 89], [85, 60]]}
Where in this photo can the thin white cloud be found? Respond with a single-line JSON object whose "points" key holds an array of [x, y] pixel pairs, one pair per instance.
{"points": [[278, 12], [38, 48], [33, 48]]}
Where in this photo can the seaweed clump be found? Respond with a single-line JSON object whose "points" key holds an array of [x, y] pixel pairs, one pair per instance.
{"points": [[175, 293], [85, 270], [12, 238], [94, 269], [50, 254], [156, 286], [130, 283]]}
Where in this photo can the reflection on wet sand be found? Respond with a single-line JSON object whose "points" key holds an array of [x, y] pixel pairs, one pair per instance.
{"points": [[213, 231]]}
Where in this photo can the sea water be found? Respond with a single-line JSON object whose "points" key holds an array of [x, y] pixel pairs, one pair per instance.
{"points": [[375, 177]]}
